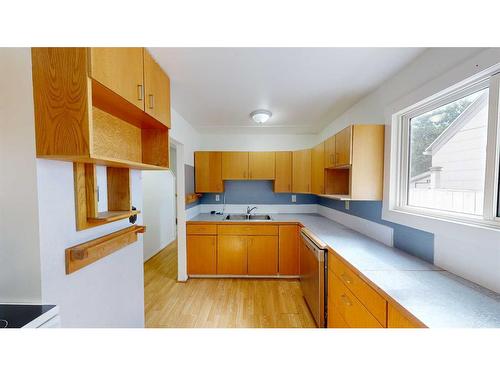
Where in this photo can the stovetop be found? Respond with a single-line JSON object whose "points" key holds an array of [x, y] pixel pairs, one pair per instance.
{"points": [[17, 316]]}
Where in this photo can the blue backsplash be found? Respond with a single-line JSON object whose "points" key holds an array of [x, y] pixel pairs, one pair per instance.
{"points": [[257, 192], [410, 240]]}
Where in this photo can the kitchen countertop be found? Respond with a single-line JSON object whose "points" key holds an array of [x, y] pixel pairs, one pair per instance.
{"points": [[437, 298]]}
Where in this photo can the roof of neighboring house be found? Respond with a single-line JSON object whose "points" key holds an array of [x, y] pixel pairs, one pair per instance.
{"points": [[421, 176], [457, 124]]}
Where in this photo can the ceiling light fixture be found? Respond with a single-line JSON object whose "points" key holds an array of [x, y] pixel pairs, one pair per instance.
{"points": [[261, 115]]}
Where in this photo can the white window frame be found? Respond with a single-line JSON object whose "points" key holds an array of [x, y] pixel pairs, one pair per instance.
{"points": [[489, 78]]}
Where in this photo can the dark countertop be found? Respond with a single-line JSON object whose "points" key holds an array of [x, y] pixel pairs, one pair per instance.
{"points": [[434, 296]]}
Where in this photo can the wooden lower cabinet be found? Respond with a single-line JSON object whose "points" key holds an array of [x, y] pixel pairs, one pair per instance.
{"points": [[262, 255], [289, 250], [201, 255], [396, 319], [345, 303], [231, 255]]}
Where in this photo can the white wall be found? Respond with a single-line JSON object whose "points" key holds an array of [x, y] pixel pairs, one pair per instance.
{"points": [[182, 132], [107, 293], [256, 142], [158, 210], [19, 240], [466, 251]]}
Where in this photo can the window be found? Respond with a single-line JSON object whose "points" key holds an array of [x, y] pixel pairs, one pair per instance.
{"points": [[448, 154]]}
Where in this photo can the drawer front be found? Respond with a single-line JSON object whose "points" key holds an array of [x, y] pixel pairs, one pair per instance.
{"points": [[353, 312], [248, 230], [375, 303], [201, 229]]}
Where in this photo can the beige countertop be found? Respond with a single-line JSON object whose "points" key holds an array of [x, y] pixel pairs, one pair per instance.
{"points": [[434, 296]]}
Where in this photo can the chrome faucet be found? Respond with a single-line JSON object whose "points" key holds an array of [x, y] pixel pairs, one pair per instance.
{"points": [[249, 210]]}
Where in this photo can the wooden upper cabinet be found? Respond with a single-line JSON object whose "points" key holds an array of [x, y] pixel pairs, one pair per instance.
{"points": [[318, 169], [121, 70], [330, 152], [234, 165], [283, 177], [157, 90], [301, 172], [208, 172], [262, 255], [88, 108], [343, 142], [261, 165]]}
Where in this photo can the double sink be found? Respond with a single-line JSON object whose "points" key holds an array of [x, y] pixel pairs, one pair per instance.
{"points": [[244, 217]]}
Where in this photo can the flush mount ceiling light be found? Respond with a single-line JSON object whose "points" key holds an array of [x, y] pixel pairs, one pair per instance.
{"points": [[261, 115]]}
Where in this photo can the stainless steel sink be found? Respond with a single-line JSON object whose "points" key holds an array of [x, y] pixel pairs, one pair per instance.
{"points": [[243, 217], [260, 217], [237, 217]]}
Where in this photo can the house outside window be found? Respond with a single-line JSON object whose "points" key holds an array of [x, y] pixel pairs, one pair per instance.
{"points": [[448, 154]]}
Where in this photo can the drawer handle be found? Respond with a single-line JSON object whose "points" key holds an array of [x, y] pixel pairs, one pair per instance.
{"points": [[140, 92], [151, 101], [346, 300], [346, 279]]}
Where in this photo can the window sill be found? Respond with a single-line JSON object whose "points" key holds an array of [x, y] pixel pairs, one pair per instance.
{"points": [[435, 222]]}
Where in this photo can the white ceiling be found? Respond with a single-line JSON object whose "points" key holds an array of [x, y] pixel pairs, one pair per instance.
{"points": [[215, 89]]}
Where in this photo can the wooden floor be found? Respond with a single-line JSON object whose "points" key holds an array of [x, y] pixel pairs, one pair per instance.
{"points": [[222, 303]]}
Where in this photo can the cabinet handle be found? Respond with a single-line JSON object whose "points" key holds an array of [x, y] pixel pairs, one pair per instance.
{"points": [[346, 300], [346, 279], [140, 92], [151, 101]]}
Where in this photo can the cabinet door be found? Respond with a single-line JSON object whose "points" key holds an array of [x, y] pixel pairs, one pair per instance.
{"points": [[121, 70], [231, 255], [330, 152], [343, 141], [234, 165], [318, 169], [283, 179], [201, 255], [208, 172], [301, 175], [289, 250], [261, 165], [335, 319], [157, 90], [262, 255]]}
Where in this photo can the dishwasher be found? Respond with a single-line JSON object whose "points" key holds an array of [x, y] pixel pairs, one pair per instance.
{"points": [[313, 265]]}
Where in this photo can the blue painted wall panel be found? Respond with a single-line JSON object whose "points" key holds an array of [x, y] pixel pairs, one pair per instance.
{"points": [[257, 192], [411, 240]]}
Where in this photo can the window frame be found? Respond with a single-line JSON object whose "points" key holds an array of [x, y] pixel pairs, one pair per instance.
{"points": [[489, 78]]}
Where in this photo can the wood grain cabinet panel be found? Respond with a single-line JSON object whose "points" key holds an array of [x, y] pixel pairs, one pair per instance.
{"points": [[301, 172], [208, 172], [248, 230], [343, 141], [234, 165], [201, 255], [373, 301], [396, 319], [283, 177], [121, 70], [201, 229], [156, 90], [289, 250], [318, 169], [231, 255], [348, 306], [262, 255], [330, 152], [261, 165]]}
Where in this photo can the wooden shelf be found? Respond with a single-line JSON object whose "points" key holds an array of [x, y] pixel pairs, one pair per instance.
{"points": [[191, 198], [110, 216], [82, 255], [339, 197]]}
